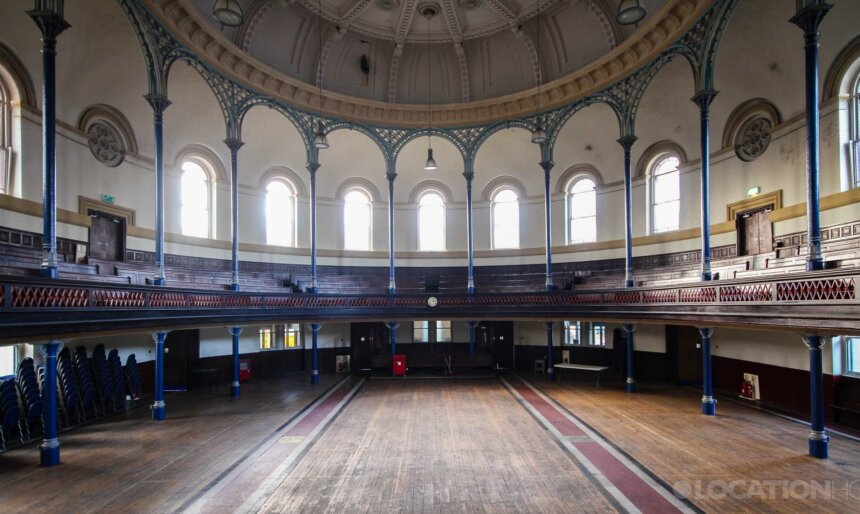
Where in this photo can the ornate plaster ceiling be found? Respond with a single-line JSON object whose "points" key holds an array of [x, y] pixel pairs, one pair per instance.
{"points": [[379, 49]]}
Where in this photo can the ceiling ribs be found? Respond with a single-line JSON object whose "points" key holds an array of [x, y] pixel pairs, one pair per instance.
{"points": [[504, 11], [457, 35], [353, 11]]}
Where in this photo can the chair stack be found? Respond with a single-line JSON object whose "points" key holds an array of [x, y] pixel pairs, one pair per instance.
{"points": [[133, 377], [85, 381], [103, 382], [70, 394], [31, 396], [117, 377], [10, 411]]}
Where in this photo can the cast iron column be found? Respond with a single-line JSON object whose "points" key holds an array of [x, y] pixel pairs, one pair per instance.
{"points": [[818, 439], [469, 174], [50, 21], [703, 99], [549, 371], [313, 166], [631, 382], [234, 387], [159, 104], [159, 412], [392, 284], [547, 165], [808, 19], [709, 405], [49, 450], [234, 145], [626, 143], [472, 325], [315, 371]]}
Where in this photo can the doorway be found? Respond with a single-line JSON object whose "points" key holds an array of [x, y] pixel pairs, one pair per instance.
{"points": [[106, 236], [683, 346], [181, 352], [755, 231]]}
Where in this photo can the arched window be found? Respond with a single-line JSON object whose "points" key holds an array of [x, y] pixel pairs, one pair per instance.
{"points": [[5, 137], [854, 131], [431, 222], [506, 219], [196, 199], [357, 220], [665, 194], [582, 211], [280, 214]]}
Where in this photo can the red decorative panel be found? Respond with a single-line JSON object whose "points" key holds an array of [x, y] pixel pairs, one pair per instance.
{"points": [[746, 293], [410, 301], [622, 297], [812, 290], [241, 301], [285, 301], [48, 297], [111, 298], [699, 295], [166, 300], [204, 300], [661, 296], [583, 298], [371, 301]]}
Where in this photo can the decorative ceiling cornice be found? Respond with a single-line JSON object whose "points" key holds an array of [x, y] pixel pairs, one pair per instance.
{"points": [[664, 28]]}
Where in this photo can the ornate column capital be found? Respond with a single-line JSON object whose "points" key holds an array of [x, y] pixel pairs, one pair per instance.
{"points": [[235, 331], [809, 18], [704, 98], [159, 103], [627, 141], [50, 23], [233, 144]]}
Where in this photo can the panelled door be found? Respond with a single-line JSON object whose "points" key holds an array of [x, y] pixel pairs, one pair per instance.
{"points": [[756, 232], [107, 237]]}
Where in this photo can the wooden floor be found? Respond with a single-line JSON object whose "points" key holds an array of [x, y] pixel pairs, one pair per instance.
{"points": [[424, 446], [742, 460]]}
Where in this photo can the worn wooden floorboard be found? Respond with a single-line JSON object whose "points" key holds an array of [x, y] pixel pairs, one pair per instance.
{"points": [[132, 464], [742, 460], [436, 446]]}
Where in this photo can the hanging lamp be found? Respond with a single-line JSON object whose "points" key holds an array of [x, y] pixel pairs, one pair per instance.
{"points": [[539, 134], [430, 165], [320, 139], [228, 12], [630, 12]]}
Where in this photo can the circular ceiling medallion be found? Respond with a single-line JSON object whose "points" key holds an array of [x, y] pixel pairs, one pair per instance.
{"points": [[387, 5], [428, 9]]}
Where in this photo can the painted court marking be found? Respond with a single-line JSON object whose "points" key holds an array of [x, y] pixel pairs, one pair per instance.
{"points": [[625, 481], [248, 486]]}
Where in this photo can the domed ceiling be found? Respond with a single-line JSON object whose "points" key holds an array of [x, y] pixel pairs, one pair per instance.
{"points": [[384, 50]]}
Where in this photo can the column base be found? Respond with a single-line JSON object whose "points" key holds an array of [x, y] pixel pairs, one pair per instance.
{"points": [[818, 444], [159, 281], [631, 385], [235, 389], [49, 453], [550, 374], [628, 283], [709, 407], [706, 276], [49, 272], [815, 265], [234, 287], [159, 412], [315, 377]]}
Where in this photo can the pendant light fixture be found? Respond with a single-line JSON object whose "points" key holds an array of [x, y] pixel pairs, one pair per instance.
{"points": [[320, 139], [430, 165], [630, 12], [228, 12], [539, 134]]}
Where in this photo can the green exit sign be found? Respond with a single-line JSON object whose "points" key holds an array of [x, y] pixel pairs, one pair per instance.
{"points": [[108, 199]]}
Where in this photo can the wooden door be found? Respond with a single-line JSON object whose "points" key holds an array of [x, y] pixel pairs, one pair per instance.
{"points": [[181, 352], [106, 237], [683, 344], [755, 231], [500, 334], [364, 338]]}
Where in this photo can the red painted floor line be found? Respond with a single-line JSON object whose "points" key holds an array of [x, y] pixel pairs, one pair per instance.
{"points": [[639, 492]]}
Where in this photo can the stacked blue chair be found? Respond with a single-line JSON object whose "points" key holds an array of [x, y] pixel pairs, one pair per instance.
{"points": [[103, 382], [133, 377], [70, 394], [85, 381], [117, 377], [10, 412], [31, 396]]}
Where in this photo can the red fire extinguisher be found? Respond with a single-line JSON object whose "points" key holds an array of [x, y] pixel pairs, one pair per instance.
{"points": [[747, 390]]}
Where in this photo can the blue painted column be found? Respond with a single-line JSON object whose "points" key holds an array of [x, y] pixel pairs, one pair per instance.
{"points": [[472, 325], [390, 176], [313, 166], [703, 99], [315, 364], [626, 143], [547, 165], [234, 145], [49, 450], [818, 438], [159, 104], [550, 373], [392, 337], [631, 381], [159, 411], [235, 387], [469, 173], [808, 19], [50, 21], [709, 405]]}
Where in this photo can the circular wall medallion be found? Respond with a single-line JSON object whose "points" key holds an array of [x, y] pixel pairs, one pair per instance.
{"points": [[753, 138], [432, 301], [106, 144]]}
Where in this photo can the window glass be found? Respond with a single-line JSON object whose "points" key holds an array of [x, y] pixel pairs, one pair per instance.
{"points": [[421, 332], [572, 332], [506, 219], [8, 360], [598, 334], [280, 214], [666, 193], [292, 335], [195, 200], [852, 348], [431, 222], [443, 331], [582, 206], [357, 220], [266, 340]]}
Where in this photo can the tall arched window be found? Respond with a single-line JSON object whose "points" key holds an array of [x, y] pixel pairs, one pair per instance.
{"points": [[357, 220], [5, 137], [506, 219], [854, 131], [196, 196], [582, 211], [431, 222], [280, 214], [665, 194]]}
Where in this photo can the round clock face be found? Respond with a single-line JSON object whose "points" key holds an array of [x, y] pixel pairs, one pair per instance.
{"points": [[432, 301]]}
